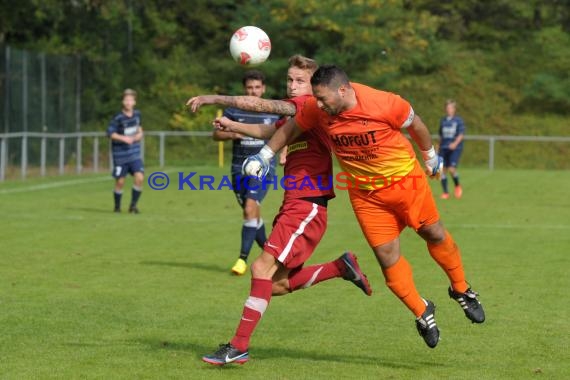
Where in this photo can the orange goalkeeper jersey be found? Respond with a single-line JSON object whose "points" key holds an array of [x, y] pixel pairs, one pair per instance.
{"points": [[367, 139]]}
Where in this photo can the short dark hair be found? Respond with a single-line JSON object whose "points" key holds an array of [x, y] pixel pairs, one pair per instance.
{"points": [[330, 76], [253, 75]]}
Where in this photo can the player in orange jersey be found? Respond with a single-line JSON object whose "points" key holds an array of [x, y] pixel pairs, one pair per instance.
{"points": [[388, 189]]}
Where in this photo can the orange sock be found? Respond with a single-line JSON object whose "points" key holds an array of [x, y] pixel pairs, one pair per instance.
{"points": [[401, 282], [446, 254]]}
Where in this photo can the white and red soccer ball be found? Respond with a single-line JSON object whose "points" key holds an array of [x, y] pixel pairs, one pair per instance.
{"points": [[250, 46]]}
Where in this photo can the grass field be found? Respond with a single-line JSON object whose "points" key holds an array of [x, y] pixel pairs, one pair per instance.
{"points": [[86, 293]]}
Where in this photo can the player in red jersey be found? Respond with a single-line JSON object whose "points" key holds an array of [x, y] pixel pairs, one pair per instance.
{"points": [[302, 218]]}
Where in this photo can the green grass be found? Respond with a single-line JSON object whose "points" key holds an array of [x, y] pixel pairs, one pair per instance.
{"points": [[86, 293]]}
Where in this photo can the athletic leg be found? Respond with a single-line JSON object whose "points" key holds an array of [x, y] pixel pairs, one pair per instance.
{"points": [[262, 271], [118, 192], [445, 252], [260, 235], [382, 215], [249, 228], [398, 275], [399, 278], [444, 185], [453, 163], [138, 178]]}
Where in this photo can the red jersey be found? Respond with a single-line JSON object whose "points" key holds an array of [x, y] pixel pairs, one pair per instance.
{"points": [[308, 169]]}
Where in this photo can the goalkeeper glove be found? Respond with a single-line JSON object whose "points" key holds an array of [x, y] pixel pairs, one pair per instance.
{"points": [[258, 165], [433, 163]]}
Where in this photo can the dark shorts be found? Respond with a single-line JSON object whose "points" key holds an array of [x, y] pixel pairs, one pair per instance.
{"points": [[451, 157], [297, 230], [248, 188], [120, 171]]}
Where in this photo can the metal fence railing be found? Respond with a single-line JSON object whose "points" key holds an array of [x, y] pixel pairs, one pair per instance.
{"points": [[25, 154], [40, 92]]}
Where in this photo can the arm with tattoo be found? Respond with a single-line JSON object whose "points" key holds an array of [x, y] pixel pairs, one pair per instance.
{"points": [[246, 103]]}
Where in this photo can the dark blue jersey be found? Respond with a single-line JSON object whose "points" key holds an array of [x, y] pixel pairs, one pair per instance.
{"points": [[243, 148], [126, 126], [449, 129]]}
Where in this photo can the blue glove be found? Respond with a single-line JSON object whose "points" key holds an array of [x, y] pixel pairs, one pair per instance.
{"points": [[258, 165]]}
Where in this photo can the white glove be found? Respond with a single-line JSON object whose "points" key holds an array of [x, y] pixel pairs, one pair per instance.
{"points": [[258, 165], [433, 163]]}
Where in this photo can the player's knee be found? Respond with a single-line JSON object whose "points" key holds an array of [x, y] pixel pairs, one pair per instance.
{"points": [[250, 209], [281, 287], [434, 233], [263, 267], [387, 254]]}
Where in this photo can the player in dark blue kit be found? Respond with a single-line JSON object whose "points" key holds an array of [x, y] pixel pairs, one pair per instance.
{"points": [[451, 133], [249, 191], [125, 132]]}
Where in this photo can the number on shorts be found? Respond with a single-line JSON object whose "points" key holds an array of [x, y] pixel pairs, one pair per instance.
{"points": [[118, 171]]}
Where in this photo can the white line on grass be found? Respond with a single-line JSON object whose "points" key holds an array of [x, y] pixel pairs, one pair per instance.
{"points": [[52, 185], [513, 226]]}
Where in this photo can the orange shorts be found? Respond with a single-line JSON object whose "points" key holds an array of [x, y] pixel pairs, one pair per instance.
{"points": [[384, 213]]}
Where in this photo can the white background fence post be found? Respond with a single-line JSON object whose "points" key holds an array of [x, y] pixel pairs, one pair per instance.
{"points": [[61, 155], [78, 154], [96, 154], [24, 160], [161, 150], [43, 151], [3, 146], [491, 153]]}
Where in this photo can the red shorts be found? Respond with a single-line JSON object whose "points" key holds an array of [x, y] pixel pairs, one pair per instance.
{"points": [[297, 230]]}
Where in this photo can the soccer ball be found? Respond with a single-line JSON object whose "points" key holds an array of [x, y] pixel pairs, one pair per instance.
{"points": [[250, 46]]}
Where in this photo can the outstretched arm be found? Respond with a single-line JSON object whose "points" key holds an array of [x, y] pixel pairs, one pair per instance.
{"points": [[246, 103], [258, 131], [223, 135]]}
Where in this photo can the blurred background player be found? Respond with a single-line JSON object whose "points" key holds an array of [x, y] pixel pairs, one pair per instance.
{"points": [[125, 132], [248, 191], [302, 218], [451, 132]]}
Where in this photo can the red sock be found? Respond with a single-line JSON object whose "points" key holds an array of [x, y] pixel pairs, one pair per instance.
{"points": [[446, 254], [401, 282], [309, 276], [255, 306]]}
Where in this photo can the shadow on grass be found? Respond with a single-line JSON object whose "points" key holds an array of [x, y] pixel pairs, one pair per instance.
{"points": [[261, 353], [200, 266]]}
